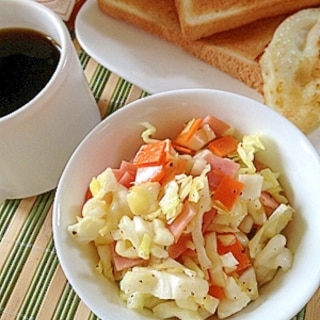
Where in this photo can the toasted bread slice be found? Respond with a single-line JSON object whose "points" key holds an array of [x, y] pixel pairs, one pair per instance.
{"points": [[202, 18], [235, 52]]}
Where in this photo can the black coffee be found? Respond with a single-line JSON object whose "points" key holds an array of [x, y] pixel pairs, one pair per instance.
{"points": [[27, 61]]}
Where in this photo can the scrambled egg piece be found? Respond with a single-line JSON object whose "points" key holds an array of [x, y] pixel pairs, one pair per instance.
{"points": [[290, 69]]}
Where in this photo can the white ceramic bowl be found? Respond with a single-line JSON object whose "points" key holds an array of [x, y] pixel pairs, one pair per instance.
{"points": [[118, 137]]}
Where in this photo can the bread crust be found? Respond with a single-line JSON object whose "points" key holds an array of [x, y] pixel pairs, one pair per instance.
{"points": [[235, 52], [202, 18]]}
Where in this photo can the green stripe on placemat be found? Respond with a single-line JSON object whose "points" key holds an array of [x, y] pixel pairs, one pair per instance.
{"points": [[93, 317], [7, 209], [68, 304], [84, 58], [119, 96], [300, 315], [40, 283], [23, 245], [100, 79]]}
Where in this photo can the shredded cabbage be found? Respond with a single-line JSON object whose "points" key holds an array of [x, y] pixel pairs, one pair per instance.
{"points": [[247, 148], [171, 203], [170, 309], [273, 256], [163, 284], [272, 185], [148, 133], [202, 205], [104, 266], [236, 299], [138, 238], [273, 226], [252, 186]]}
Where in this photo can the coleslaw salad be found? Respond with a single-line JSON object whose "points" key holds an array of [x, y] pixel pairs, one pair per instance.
{"points": [[192, 225]]}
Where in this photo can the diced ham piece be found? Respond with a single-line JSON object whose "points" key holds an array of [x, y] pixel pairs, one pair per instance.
{"points": [[125, 175], [224, 165]]}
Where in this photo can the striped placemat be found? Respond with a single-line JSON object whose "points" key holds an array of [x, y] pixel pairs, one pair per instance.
{"points": [[32, 283]]}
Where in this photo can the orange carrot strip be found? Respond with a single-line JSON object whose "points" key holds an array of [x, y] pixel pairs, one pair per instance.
{"points": [[151, 154], [183, 149], [196, 124], [173, 167], [185, 135], [228, 191], [238, 252], [216, 292], [223, 146], [88, 195]]}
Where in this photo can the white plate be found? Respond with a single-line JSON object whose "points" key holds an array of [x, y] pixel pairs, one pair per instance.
{"points": [[151, 63], [146, 60]]}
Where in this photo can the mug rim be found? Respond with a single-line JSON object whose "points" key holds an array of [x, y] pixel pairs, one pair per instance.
{"points": [[64, 52]]}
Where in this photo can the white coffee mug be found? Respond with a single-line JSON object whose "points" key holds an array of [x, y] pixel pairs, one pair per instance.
{"points": [[37, 139]]}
